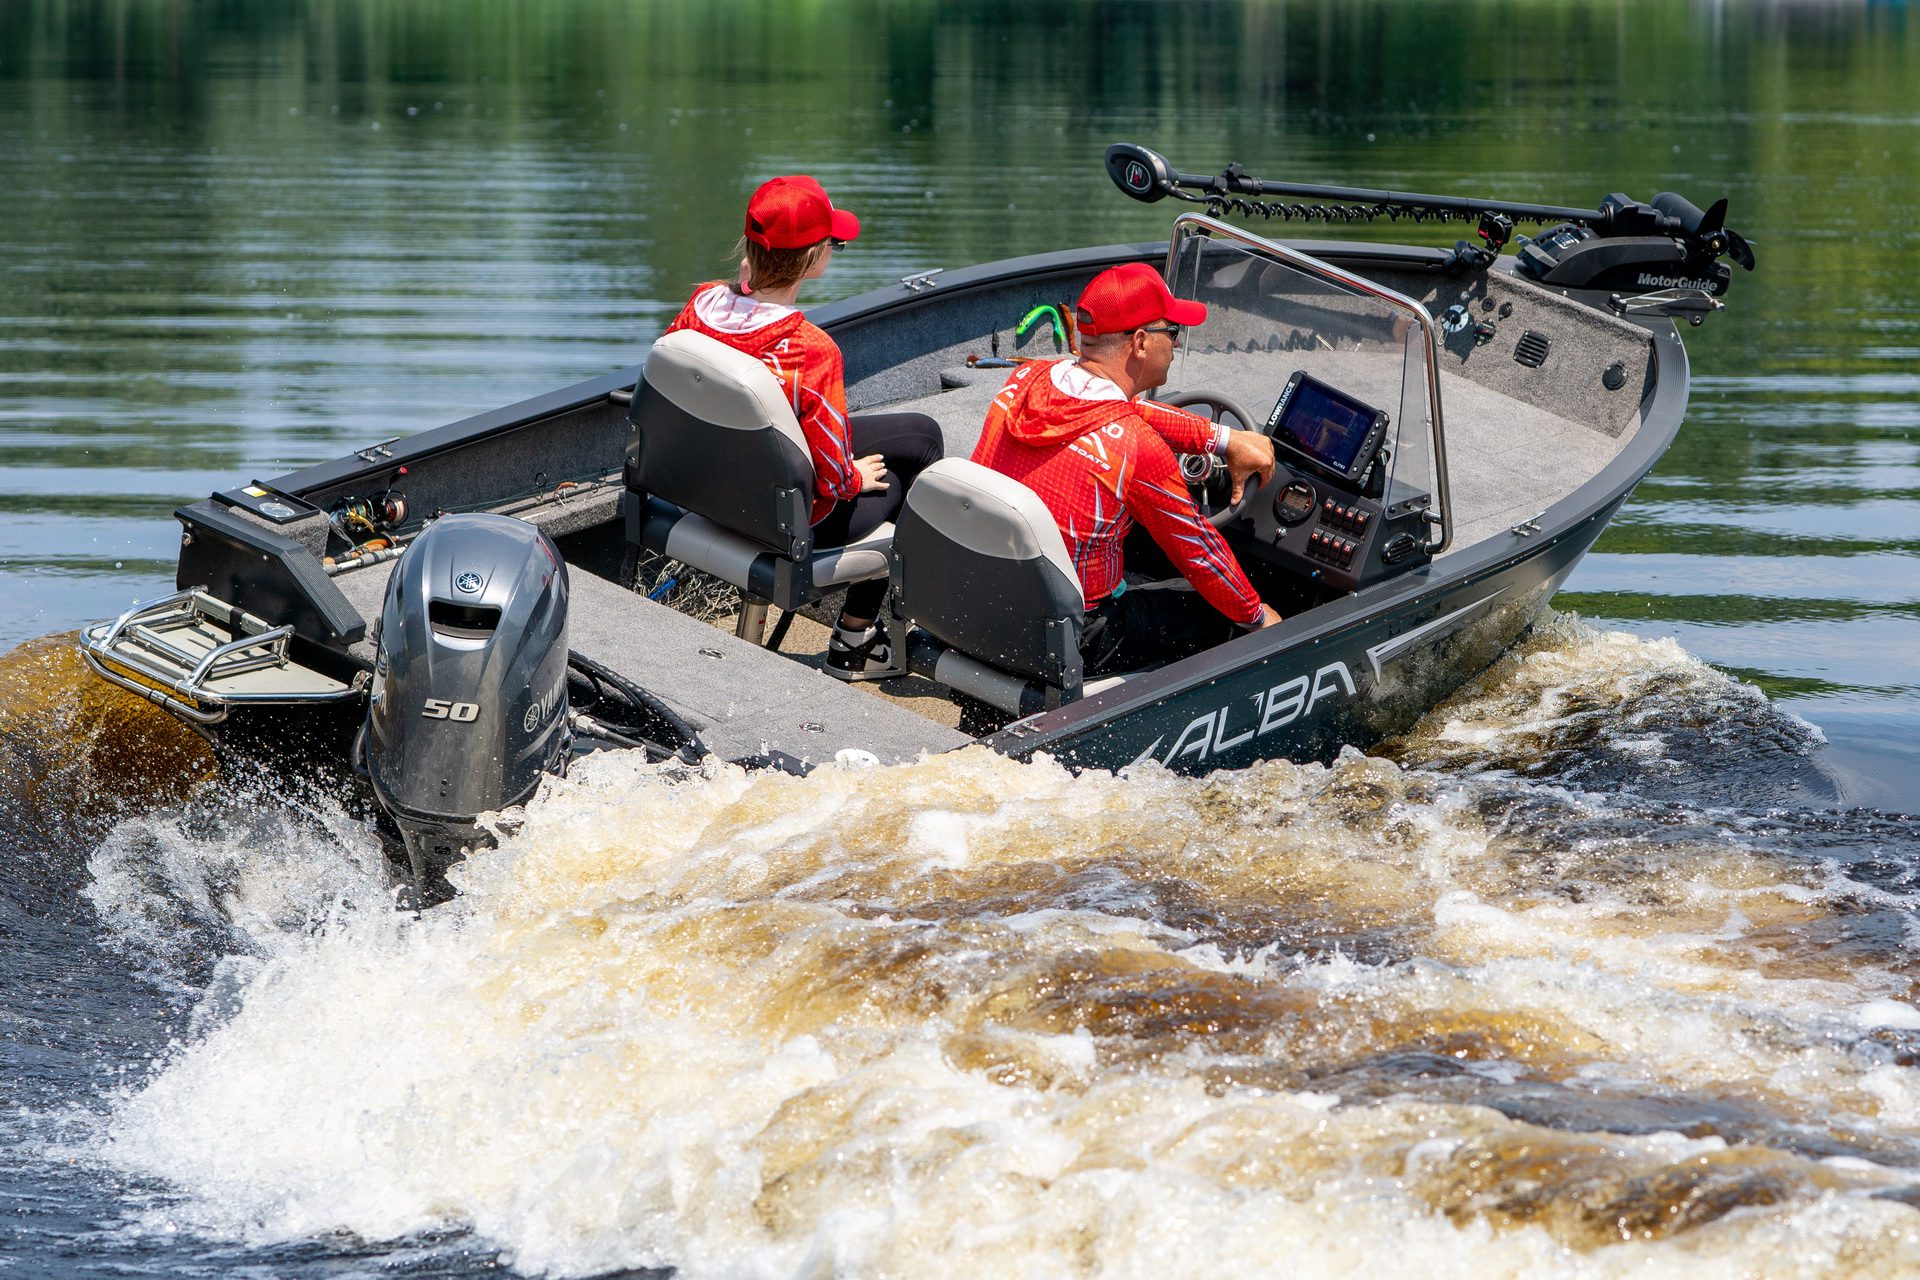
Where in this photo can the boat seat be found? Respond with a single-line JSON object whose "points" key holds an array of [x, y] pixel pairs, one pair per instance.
{"points": [[719, 477], [981, 573]]}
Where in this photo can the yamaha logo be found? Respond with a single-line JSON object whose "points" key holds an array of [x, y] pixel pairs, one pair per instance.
{"points": [[468, 582], [1138, 179], [541, 708]]}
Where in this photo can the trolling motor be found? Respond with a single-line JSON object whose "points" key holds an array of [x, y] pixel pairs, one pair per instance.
{"points": [[1668, 244], [469, 701]]}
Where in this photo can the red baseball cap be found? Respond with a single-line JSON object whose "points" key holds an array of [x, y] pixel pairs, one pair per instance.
{"points": [[794, 212], [1122, 299]]}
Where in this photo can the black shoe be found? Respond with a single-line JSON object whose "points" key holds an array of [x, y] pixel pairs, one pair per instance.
{"points": [[850, 653]]}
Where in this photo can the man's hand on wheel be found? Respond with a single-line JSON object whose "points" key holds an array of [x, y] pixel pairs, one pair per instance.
{"points": [[1248, 453]]}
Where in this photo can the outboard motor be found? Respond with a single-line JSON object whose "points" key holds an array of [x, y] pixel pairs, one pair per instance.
{"points": [[469, 698]]}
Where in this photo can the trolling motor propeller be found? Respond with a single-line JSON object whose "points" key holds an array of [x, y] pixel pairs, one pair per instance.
{"points": [[1708, 228], [1668, 242]]}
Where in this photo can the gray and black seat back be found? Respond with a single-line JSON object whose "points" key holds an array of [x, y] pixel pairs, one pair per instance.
{"points": [[714, 434], [979, 566], [719, 477]]}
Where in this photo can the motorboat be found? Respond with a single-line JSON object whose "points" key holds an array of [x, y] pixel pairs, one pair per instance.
{"points": [[462, 610]]}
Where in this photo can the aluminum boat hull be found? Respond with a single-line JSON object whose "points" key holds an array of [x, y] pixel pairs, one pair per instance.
{"points": [[1348, 672]]}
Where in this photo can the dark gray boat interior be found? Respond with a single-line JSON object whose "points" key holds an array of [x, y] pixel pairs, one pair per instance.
{"points": [[1519, 437]]}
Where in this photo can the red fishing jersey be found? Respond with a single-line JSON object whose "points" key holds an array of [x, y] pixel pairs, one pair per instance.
{"points": [[1101, 461], [809, 366]]}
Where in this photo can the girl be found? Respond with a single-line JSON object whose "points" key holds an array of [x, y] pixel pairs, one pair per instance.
{"points": [[862, 466]]}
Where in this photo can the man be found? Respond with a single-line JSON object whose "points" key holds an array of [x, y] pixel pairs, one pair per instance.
{"points": [[1076, 433]]}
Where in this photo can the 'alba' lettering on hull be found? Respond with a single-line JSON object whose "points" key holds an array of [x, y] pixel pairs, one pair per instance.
{"points": [[1221, 730]]}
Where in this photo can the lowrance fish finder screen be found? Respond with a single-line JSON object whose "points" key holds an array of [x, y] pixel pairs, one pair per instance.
{"points": [[1328, 426]]}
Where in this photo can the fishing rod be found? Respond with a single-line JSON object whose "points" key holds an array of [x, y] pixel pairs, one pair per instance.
{"points": [[1146, 175]]}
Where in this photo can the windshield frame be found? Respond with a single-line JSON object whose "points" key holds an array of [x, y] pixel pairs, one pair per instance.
{"points": [[1199, 224]]}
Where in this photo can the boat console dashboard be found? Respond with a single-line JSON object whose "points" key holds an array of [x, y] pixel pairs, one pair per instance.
{"points": [[1337, 537], [1332, 515]]}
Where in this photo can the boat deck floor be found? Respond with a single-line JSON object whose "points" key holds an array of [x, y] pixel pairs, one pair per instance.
{"points": [[744, 700]]}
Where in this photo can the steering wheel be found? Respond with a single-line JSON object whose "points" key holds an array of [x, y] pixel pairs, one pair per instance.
{"points": [[1218, 407]]}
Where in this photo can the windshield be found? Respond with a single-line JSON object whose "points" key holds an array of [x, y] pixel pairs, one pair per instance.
{"points": [[1342, 352]]}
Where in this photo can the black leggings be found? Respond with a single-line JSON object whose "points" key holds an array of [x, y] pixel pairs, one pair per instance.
{"points": [[1146, 626], [910, 443]]}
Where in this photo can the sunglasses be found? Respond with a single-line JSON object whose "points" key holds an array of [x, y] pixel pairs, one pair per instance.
{"points": [[1171, 330], [836, 245]]}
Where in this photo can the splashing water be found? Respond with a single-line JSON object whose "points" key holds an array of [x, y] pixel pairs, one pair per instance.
{"points": [[1461, 1014], [230, 876], [1581, 705]]}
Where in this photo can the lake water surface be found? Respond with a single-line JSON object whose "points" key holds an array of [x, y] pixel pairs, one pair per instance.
{"points": [[1607, 967]]}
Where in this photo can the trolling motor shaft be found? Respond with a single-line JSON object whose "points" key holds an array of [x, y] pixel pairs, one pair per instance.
{"points": [[1680, 242], [1145, 175]]}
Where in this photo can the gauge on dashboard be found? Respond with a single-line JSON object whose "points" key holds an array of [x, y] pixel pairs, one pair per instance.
{"points": [[1294, 503]]}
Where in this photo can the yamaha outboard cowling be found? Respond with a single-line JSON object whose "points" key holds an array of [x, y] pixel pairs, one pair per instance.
{"points": [[469, 699]]}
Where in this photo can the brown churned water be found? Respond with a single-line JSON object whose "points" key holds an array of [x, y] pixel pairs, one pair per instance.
{"points": [[75, 751], [1413, 1015]]}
